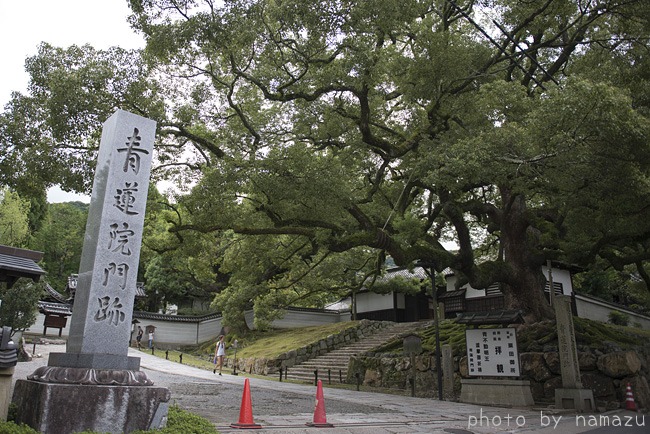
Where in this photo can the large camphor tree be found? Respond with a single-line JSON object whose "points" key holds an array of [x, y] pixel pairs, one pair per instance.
{"points": [[310, 139]]}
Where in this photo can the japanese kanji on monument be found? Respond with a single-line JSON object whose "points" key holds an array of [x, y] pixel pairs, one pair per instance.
{"points": [[103, 307]]}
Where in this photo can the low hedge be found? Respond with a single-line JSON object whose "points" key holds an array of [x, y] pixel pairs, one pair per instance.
{"points": [[178, 422]]}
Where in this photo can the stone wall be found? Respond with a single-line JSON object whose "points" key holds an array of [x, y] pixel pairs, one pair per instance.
{"points": [[394, 372], [606, 373], [287, 360]]}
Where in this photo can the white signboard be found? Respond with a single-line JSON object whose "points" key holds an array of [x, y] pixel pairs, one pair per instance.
{"points": [[492, 352]]}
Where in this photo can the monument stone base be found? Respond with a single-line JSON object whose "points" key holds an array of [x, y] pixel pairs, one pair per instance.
{"points": [[500, 392], [52, 408], [575, 399]]}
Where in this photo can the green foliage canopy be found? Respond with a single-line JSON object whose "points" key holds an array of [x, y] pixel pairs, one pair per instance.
{"points": [[14, 221], [375, 128], [61, 240]]}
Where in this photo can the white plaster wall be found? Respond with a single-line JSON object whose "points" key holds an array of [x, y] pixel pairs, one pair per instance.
{"points": [[168, 333], [369, 302], [598, 310], [451, 282], [297, 319], [560, 276], [209, 329], [469, 291], [473, 293]]}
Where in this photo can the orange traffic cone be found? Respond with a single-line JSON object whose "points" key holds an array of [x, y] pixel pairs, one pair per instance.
{"points": [[246, 411], [320, 419], [629, 399]]}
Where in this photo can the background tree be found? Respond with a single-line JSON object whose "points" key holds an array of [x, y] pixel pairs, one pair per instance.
{"points": [[615, 224], [269, 274], [622, 287], [37, 209], [61, 240], [14, 222], [178, 268], [51, 135]]}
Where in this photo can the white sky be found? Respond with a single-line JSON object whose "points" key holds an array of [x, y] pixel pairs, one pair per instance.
{"points": [[25, 24]]}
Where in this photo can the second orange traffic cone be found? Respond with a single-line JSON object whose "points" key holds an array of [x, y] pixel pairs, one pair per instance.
{"points": [[246, 411], [320, 419]]}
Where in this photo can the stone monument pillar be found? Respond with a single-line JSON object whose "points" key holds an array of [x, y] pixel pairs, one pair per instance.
{"points": [[95, 385], [572, 395], [447, 372]]}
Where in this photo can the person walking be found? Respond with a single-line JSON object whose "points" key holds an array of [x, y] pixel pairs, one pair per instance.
{"points": [[219, 354], [151, 339], [139, 337]]}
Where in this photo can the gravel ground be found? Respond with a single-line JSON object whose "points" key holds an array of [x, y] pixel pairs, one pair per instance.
{"points": [[217, 401], [220, 403]]}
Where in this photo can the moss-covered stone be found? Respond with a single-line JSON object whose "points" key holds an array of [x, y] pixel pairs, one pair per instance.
{"points": [[537, 345]]}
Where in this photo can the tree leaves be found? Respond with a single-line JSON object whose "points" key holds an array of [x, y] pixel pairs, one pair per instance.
{"points": [[300, 132]]}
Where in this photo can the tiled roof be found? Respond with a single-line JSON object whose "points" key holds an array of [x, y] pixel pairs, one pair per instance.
{"points": [[23, 265], [450, 294], [417, 273], [73, 280], [15, 263], [174, 318], [56, 295], [46, 307], [491, 317]]}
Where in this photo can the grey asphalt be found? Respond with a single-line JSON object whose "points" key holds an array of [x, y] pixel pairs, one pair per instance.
{"points": [[281, 407]]}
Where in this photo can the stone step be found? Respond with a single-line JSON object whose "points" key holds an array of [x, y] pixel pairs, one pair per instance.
{"points": [[337, 361], [347, 353], [315, 363]]}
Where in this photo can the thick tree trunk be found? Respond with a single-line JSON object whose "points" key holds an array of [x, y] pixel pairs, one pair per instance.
{"points": [[525, 287]]}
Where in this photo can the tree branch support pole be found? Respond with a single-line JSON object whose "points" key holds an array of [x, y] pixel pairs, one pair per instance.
{"points": [[436, 308]]}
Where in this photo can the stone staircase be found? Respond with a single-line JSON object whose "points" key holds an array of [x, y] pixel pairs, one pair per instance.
{"points": [[335, 363]]}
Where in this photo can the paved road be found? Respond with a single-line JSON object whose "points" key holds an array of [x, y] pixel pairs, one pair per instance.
{"points": [[286, 407]]}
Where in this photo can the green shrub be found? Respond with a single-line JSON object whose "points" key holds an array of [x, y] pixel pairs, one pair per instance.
{"points": [[618, 318], [12, 412], [183, 422], [12, 428]]}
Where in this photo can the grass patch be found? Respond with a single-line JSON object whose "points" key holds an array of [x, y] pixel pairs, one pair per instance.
{"points": [[450, 333], [189, 359], [271, 344]]}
